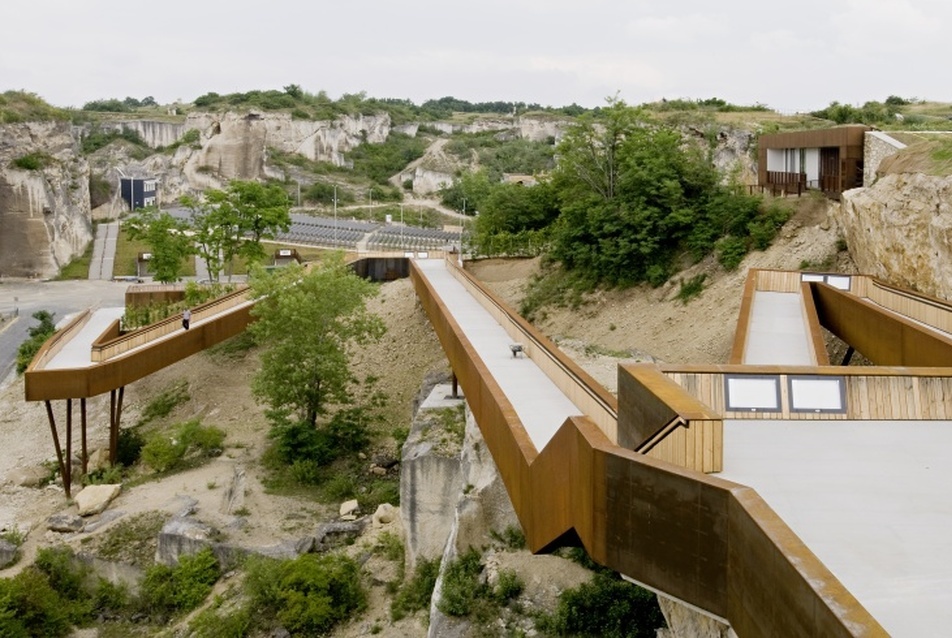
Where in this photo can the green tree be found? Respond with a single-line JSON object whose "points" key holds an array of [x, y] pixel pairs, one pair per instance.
{"points": [[38, 336], [635, 197], [167, 239], [307, 322], [232, 222]]}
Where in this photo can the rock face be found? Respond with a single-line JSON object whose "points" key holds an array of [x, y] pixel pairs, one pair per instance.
{"points": [[430, 480], [900, 229], [44, 211]]}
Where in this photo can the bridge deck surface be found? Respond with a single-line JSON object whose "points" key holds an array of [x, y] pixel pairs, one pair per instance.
{"points": [[778, 332], [540, 405], [76, 353], [869, 498]]}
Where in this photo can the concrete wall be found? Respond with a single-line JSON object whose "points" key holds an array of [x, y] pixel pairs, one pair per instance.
{"points": [[876, 147]]}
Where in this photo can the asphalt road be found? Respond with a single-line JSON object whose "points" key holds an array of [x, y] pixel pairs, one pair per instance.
{"points": [[62, 298]]}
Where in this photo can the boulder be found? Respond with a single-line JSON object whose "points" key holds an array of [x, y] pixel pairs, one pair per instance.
{"points": [[349, 508], [385, 514], [8, 553], [93, 499], [65, 523], [182, 536], [33, 476]]}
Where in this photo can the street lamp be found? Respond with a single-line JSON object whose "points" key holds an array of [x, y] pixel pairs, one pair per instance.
{"points": [[335, 215], [401, 226]]}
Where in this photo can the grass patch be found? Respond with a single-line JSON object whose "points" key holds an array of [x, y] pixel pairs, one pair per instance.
{"points": [[79, 267], [691, 288], [133, 540], [465, 591], [164, 402]]}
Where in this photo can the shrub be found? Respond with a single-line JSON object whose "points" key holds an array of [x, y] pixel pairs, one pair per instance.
{"points": [[731, 251], [38, 336], [168, 590], [190, 441], [608, 606], [62, 572], [211, 624], [30, 607], [308, 595], [129, 446], [461, 585], [32, 161], [508, 587], [691, 288], [417, 592]]}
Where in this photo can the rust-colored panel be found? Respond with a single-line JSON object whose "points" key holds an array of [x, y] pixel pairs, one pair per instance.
{"points": [[813, 325], [777, 586], [664, 526], [886, 340]]}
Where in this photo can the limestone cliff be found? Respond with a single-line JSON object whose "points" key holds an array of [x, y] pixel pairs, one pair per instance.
{"points": [[44, 203], [900, 229]]}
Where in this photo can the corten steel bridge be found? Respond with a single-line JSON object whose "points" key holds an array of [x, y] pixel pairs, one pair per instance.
{"points": [[630, 478]]}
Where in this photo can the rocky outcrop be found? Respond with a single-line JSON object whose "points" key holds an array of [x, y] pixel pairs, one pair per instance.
{"points": [[900, 229], [430, 478], [44, 204]]}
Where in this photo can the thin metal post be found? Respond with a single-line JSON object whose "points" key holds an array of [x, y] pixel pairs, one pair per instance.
{"points": [[68, 474], [56, 443], [82, 412]]}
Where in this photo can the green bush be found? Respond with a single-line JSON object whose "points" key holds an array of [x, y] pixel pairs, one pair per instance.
{"points": [[30, 607], [308, 595], [129, 446], [731, 251], [607, 606], [461, 585], [212, 624], [38, 336], [169, 590], [190, 441], [691, 288], [416, 593], [508, 587], [32, 161]]}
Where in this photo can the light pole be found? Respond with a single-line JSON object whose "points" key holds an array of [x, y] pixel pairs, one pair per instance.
{"points": [[401, 226], [335, 215], [370, 205]]}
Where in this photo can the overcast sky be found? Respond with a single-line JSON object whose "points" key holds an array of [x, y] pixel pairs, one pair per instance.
{"points": [[791, 57]]}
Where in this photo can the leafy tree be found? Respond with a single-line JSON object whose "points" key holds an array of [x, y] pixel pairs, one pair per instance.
{"points": [[635, 197], [38, 336], [167, 239], [233, 222], [307, 323]]}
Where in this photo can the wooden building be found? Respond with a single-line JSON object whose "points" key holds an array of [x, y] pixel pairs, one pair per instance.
{"points": [[830, 160]]}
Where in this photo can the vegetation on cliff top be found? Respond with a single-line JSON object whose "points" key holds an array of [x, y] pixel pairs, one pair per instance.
{"points": [[20, 106]]}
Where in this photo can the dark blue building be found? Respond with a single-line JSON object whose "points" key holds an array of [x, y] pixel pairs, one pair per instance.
{"points": [[139, 192]]}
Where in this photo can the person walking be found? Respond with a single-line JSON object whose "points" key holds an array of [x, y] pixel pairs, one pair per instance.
{"points": [[186, 318]]}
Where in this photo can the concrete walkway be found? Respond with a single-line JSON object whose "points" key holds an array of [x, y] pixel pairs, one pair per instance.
{"points": [[778, 333], [102, 265], [540, 405]]}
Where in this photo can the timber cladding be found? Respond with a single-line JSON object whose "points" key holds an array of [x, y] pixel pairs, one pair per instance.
{"points": [[711, 543]]}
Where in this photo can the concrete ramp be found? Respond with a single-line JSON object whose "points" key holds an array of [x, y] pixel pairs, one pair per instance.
{"points": [[778, 333]]}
